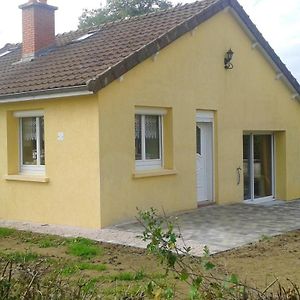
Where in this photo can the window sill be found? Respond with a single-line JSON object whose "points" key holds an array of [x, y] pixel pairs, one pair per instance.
{"points": [[30, 178], [154, 173]]}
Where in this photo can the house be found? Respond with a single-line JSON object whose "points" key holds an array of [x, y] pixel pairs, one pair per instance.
{"points": [[168, 110]]}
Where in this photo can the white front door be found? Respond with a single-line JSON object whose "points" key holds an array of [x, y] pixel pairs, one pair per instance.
{"points": [[204, 164]]}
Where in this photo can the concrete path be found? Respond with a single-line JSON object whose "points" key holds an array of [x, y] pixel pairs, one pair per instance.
{"points": [[219, 227]]}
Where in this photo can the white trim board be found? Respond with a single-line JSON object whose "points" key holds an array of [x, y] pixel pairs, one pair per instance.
{"points": [[150, 111], [46, 96], [29, 113], [204, 116]]}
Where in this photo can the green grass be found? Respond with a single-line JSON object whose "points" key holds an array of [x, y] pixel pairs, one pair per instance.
{"points": [[20, 257], [43, 241], [84, 248], [81, 266], [90, 266], [5, 232], [48, 242]]}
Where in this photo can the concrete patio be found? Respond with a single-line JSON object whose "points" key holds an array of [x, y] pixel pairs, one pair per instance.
{"points": [[219, 227]]}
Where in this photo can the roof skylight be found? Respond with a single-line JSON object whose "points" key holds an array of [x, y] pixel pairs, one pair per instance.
{"points": [[85, 36], [4, 53]]}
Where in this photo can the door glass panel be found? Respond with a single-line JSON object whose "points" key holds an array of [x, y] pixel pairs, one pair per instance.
{"points": [[198, 140], [247, 166], [262, 148]]}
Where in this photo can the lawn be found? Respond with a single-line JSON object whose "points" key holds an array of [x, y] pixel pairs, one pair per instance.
{"points": [[120, 272]]}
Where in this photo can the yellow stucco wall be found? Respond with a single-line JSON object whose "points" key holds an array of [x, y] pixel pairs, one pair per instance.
{"points": [[187, 76], [72, 194]]}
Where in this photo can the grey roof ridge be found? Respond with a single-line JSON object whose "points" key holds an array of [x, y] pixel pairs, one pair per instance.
{"points": [[96, 28], [124, 19], [146, 51]]}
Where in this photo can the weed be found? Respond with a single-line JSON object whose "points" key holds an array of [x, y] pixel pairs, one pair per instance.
{"points": [[20, 257], [125, 291], [5, 232], [68, 270], [84, 248], [128, 276], [265, 238], [90, 285]]}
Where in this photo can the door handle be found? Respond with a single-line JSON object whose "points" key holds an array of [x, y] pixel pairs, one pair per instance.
{"points": [[238, 170]]}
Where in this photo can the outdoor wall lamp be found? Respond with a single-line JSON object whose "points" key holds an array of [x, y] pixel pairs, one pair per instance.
{"points": [[227, 60]]}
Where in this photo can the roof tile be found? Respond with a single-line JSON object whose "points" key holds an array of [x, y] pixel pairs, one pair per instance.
{"points": [[113, 49]]}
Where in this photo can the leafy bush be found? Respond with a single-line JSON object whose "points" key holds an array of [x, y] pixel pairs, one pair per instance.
{"points": [[23, 281]]}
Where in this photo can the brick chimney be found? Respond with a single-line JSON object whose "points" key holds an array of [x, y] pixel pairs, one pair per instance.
{"points": [[38, 27]]}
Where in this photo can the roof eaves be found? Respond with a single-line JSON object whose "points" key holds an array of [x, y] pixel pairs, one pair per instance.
{"points": [[120, 68], [46, 94]]}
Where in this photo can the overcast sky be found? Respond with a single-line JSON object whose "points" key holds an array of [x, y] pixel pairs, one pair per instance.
{"points": [[279, 22]]}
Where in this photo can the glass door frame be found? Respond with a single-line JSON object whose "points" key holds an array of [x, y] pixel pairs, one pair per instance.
{"points": [[252, 199]]}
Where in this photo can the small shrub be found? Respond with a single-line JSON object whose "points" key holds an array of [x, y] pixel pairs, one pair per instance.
{"points": [[84, 248]]}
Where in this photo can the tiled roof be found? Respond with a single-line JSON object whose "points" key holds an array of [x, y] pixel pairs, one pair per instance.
{"points": [[112, 50]]}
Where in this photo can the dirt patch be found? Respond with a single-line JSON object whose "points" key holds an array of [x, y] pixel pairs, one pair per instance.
{"points": [[259, 263]]}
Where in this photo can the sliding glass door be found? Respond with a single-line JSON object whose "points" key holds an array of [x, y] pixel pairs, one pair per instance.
{"points": [[258, 166]]}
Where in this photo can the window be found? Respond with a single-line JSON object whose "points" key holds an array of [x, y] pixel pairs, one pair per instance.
{"points": [[31, 142], [148, 139]]}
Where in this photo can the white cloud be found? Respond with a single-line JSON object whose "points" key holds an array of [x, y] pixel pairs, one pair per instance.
{"points": [[279, 22]]}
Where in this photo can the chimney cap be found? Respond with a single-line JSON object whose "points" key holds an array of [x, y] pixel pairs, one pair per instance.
{"points": [[40, 3]]}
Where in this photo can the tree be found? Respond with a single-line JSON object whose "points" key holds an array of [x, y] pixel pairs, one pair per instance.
{"points": [[119, 9]]}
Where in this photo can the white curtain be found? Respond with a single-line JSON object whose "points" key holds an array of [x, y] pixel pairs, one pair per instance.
{"points": [[29, 129]]}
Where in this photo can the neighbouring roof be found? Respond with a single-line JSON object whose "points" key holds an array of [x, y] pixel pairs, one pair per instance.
{"points": [[114, 48]]}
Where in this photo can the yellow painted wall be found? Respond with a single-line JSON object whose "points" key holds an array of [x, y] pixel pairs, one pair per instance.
{"points": [[186, 76], [72, 194]]}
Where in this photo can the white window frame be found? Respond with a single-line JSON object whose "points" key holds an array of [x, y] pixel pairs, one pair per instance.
{"points": [[150, 164], [37, 169]]}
